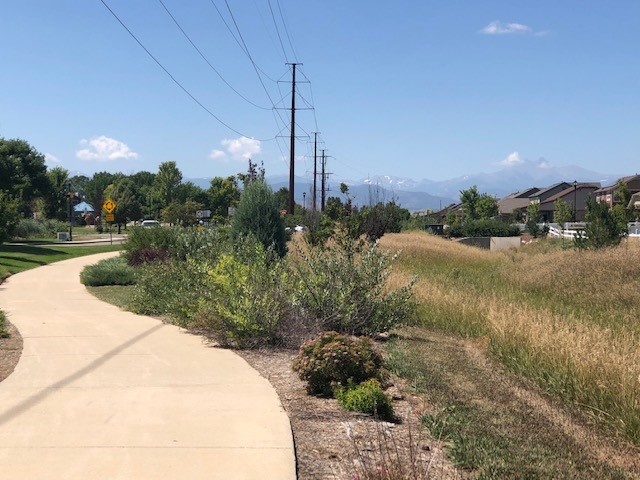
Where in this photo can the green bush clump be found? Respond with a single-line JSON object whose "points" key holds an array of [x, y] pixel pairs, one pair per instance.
{"points": [[484, 228], [30, 228], [112, 271], [343, 287], [173, 288], [3, 325], [150, 244], [368, 397], [334, 360], [248, 297]]}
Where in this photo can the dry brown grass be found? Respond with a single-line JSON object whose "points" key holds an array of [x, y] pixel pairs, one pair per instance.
{"points": [[593, 363]]}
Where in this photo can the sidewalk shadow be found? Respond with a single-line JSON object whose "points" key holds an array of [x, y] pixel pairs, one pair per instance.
{"points": [[47, 391]]}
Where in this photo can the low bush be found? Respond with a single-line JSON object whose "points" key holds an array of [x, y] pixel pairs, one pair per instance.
{"points": [[30, 228], [248, 303], [144, 255], [344, 288], [3, 325], [334, 360], [173, 288], [368, 397], [112, 271], [484, 228]]}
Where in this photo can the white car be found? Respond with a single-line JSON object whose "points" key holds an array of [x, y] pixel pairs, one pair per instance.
{"points": [[150, 223]]}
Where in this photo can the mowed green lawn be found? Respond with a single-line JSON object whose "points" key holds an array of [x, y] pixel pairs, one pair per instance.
{"points": [[17, 258]]}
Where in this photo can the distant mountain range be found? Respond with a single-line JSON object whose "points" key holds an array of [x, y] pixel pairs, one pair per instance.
{"points": [[424, 194]]}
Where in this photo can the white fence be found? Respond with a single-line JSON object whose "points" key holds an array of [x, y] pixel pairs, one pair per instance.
{"points": [[570, 230]]}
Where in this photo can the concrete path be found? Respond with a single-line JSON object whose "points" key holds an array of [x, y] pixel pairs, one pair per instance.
{"points": [[104, 394]]}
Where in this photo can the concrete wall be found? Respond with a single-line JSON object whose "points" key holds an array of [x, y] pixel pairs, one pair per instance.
{"points": [[491, 243]]}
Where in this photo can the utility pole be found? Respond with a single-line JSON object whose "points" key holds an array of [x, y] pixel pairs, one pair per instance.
{"points": [[70, 205], [324, 190], [315, 170], [292, 148]]}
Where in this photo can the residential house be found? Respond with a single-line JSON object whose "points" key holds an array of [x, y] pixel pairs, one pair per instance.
{"points": [[609, 194], [454, 209], [575, 195], [546, 193], [516, 201]]}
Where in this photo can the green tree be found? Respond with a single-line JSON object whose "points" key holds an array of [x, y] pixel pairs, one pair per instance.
{"points": [[9, 216], [258, 215], [562, 211], [56, 205], [533, 215], [166, 183], [22, 173], [469, 199], [223, 193], [487, 207], [282, 198], [95, 187], [602, 227], [334, 208], [181, 213], [191, 191], [123, 192]]}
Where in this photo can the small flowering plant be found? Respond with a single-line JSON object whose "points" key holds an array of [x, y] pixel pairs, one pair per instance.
{"points": [[334, 359]]}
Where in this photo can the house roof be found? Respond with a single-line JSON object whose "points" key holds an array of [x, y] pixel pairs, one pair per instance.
{"points": [[611, 188], [83, 207], [525, 193], [567, 191], [508, 204], [545, 190]]}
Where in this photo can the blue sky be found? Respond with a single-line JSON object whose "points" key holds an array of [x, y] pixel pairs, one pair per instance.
{"points": [[418, 89]]}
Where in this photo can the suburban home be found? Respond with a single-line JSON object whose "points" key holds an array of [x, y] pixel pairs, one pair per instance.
{"points": [[454, 209], [516, 201], [575, 195], [609, 194], [544, 194]]}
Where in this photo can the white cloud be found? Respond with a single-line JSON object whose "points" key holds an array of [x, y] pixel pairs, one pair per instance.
{"points": [[511, 160], [498, 28], [104, 149], [217, 154], [238, 149], [51, 158]]}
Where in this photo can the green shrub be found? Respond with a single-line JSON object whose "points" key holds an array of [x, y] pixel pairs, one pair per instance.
{"points": [[30, 228], [343, 287], [368, 397], [3, 325], [150, 244], [9, 216], [258, 214], [173, 288], [248, 298], [484, 228], [112, 271], [336, 360]]}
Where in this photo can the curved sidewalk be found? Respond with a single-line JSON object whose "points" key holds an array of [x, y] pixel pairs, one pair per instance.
{"points": [[104, 394]]}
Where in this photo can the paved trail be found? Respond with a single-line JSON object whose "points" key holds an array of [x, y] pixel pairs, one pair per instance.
{"points": [[104, 394]]}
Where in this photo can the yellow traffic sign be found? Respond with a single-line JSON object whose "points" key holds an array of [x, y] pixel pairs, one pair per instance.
{"points": [[109, 205], [110, 217]]}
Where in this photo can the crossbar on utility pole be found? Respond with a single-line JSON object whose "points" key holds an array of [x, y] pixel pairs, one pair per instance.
{"points": [[292, 148]]}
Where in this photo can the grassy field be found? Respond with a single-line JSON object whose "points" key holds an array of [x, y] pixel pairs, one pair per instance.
{"points": [[569, 320], [17, 258]]}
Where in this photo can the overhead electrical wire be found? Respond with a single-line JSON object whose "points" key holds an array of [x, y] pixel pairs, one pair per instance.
{"points": [[173, 78], [286, 29], [246, 52], [273, 17], [208, 62]]}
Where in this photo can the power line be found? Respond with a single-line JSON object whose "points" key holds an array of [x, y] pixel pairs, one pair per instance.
{"points": [[172, 77], [206, 60], [286, 30], [277, 31]]}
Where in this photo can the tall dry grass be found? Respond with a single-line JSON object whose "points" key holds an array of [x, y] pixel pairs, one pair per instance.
{"points": [[519, 302]]}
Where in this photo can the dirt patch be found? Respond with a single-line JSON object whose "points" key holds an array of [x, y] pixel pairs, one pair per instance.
{"points": [[334, 444], [10, 351]]}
